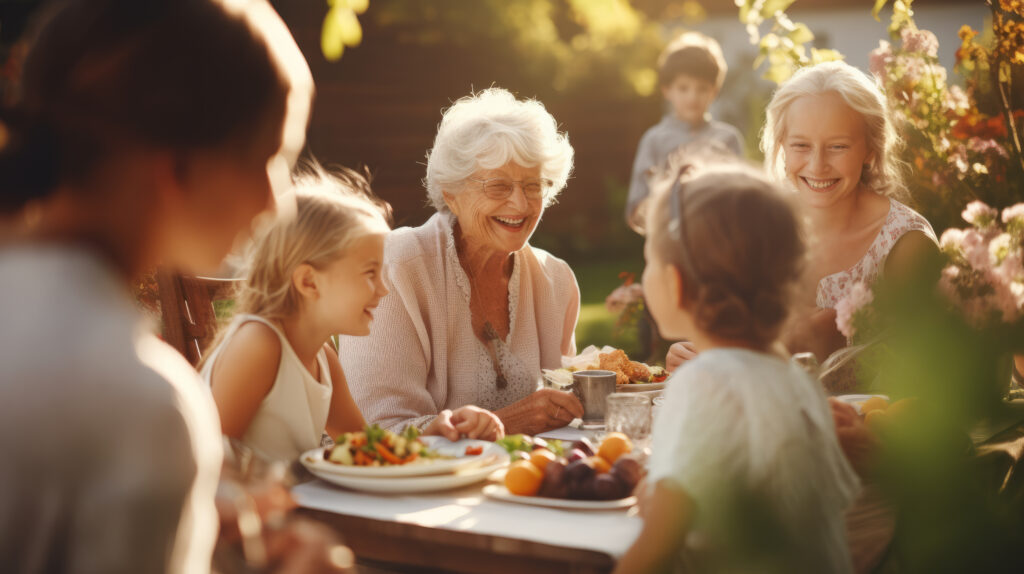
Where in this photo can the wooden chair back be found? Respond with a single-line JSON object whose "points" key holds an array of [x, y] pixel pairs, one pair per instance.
{"points": [[187, 310]]}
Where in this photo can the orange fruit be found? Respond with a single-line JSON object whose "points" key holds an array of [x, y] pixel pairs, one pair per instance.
{"points": [[874, 404], [876, 418], [600, 465], [540, 457], [523, 478], [613, 446], [900, 407]]}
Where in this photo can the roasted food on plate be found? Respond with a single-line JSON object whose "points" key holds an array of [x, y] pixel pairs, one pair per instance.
{"points": [[607, 359]]}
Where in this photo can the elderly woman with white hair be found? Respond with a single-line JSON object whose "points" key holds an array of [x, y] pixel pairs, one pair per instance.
{"points": [[474, 311]]}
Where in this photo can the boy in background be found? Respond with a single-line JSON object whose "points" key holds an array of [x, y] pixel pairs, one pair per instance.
{"points": [[690, 72]]}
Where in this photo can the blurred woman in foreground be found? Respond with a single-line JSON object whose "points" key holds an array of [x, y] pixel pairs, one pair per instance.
{"points": [[146, 132]]}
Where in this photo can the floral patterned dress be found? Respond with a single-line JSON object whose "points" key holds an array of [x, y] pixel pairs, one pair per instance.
{"points": [[901, 219]]}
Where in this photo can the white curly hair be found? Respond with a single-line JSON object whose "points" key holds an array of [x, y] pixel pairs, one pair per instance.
{"points": [[488, 129]]}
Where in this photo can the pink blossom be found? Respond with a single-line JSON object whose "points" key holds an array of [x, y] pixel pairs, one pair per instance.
{"points": [[922, 41], [978, 214], [956, 99], [1010, 266], [879, 58], [623, 296], [999, 248], [980, 145], [952, 238], [859, 297], [1014, 212], [975, 249]]}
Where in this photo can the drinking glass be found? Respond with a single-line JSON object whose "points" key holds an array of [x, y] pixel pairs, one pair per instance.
{"points": [[628, 413]]}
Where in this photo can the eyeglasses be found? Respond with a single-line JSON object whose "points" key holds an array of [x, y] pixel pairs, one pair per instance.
{"points": [[501, 187]]}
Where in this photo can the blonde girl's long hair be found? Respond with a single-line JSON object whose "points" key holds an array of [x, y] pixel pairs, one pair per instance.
{"points": [[333, 210]]}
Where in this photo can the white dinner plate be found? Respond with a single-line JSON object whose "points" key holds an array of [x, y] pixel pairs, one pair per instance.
{"points": [[856, 400], [412, 484], [499, 492], [314, 460], [639, 387]]}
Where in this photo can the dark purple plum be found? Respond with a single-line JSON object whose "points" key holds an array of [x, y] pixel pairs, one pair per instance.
{"points": [[586, 446], [628, 470], [554, 484], [576, 454], [609, 487]]}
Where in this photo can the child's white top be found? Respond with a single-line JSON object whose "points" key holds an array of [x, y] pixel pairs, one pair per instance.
{"points": [[292, 417], [737, 421]]}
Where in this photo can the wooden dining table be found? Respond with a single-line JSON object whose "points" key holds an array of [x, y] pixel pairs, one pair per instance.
{"points": [[462, 530]]}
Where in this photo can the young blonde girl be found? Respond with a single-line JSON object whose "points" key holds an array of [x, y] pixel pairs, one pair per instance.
{"points": [[277, 382], [746, 473]]}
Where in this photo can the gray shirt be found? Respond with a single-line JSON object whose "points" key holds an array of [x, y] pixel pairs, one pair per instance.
{"points": [[665, 137], [110, 447]]}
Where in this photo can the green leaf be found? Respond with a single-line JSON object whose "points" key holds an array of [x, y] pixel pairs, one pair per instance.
{"points": [[331, 41], [879, 4], [773, 6], [801, 34], [825, 55]]}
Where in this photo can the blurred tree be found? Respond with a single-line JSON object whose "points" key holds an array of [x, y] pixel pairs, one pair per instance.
{"points": [[565, 42]]}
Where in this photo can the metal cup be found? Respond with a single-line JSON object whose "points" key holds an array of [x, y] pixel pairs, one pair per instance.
{"points": [[592, 389]]}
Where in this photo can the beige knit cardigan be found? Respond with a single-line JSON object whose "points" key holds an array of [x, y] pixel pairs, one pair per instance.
{"points": [[421, 355]]}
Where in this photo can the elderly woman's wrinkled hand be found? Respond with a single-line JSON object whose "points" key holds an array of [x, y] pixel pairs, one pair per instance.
{"points": [[468, 421], [543, 410], [478, 423]]}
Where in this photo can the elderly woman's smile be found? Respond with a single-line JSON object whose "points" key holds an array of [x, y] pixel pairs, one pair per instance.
{"points": [[494, 223]]}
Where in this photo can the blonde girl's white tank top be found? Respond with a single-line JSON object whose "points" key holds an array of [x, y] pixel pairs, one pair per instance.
{"points": [[292, 417]]}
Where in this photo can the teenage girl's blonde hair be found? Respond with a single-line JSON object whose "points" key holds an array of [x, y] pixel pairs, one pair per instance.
{"points": [[883, 173], [333, 211]]}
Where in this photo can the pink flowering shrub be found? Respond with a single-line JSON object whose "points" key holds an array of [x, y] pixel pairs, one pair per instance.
{"points": [[983, 280], [985, 277], [856, 302]]}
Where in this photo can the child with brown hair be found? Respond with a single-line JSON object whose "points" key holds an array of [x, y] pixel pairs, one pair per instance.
{"points": [[691, 71], [747, 470]]}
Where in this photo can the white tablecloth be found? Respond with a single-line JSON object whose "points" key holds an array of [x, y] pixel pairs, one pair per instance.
{"points": [[468, 510]]}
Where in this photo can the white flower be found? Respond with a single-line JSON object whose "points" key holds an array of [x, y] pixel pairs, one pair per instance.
{"points": [[952, 238], [978, 214], [999, 248], [1014, 212]]}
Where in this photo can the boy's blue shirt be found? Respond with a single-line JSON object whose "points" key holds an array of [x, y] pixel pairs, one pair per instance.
{"points": [[665, 137]]}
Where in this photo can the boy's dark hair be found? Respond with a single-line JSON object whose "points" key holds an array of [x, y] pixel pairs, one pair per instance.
{"points": [[692, 54]]}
